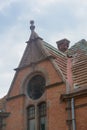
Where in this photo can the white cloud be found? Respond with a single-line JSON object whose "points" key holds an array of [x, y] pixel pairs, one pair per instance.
{"points": [[5, 78], [46, 2], [5, 4], [12, 39], [11, 50], [74, 35]]}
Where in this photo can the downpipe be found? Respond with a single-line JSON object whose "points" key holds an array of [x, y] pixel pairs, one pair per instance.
{"points": [[73, 114]]}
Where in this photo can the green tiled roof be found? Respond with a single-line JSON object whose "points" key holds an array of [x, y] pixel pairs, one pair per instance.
{"points": [[81, 45]]}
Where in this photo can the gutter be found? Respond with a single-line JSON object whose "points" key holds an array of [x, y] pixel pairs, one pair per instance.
{"points": [[70, 97], [71, 119], [73, 114]]}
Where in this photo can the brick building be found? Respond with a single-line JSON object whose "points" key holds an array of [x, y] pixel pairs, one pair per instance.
{"points": [[49, 89]]}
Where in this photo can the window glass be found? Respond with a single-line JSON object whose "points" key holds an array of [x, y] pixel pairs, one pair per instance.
{"points": [[36, 87], [31, 112], [42, 109], [31, 118], [32, 124], [42, 116], [0, 122], [43, 123]]}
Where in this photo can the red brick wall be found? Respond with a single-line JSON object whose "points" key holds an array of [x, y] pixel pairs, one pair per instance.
{"points": [[56, 113], [81, 113], [56, 116], [15, 121], [56, 110], [44, 67]]}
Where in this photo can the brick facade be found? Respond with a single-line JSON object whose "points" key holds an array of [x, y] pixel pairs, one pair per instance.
{"points": [[17, 103], [66, 106]]}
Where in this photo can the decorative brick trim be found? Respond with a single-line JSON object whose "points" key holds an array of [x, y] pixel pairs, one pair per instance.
{"points": [[17, 96], [77, 106], [81, 105], [53, 85], [76, 94], [39, 61]]}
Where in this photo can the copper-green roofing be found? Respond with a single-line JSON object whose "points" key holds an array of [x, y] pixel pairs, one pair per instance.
{"points": [[81, 45], [79, 63]]}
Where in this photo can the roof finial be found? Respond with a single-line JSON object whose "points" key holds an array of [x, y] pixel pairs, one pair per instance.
{"points": [[32, 27]]}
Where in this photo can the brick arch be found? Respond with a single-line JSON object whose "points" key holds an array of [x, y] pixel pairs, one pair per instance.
{"points": [[30, 105], [41, 102], [28, 76]]}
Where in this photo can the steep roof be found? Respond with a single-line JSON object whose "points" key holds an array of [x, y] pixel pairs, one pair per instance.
{"points": [[78, 55], [60, 58], [35, 50], [38, 50], [72, 63], [79, 63], [81, 45]]}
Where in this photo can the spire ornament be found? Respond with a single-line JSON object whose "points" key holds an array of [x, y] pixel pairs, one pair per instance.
{"points": [[32, 27], [33, 35]]}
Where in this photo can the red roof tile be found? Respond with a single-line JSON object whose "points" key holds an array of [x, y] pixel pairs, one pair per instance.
{"points": [[60, 58], [78, 62]]}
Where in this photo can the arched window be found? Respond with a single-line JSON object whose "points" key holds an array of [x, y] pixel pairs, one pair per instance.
{"points": [[42, 116], [31, 117], [37, 117]]}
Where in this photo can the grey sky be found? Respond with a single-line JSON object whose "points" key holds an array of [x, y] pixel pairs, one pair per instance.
{"points": [[54, 20]]}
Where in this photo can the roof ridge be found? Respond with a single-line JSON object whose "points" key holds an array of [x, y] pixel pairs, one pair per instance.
{"points": [[81, 44], [54, 49]]}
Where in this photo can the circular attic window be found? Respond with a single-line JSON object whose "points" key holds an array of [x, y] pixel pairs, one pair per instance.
{"points": [[36, 87]]}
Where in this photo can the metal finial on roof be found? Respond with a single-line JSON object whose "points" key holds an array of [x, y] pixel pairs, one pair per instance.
{"points": [[32, 27]]}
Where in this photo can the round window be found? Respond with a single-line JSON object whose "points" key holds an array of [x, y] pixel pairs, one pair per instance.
{"points": [[36, 87]]}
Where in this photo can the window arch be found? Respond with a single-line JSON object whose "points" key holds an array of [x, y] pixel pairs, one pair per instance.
{"points": [[31, 117]]}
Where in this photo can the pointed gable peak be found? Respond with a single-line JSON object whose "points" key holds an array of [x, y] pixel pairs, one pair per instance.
{"points": [[35, 50], [33, 35]]}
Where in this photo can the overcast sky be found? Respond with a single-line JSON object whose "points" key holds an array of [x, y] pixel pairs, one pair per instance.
{"points": [[54, 20]]}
